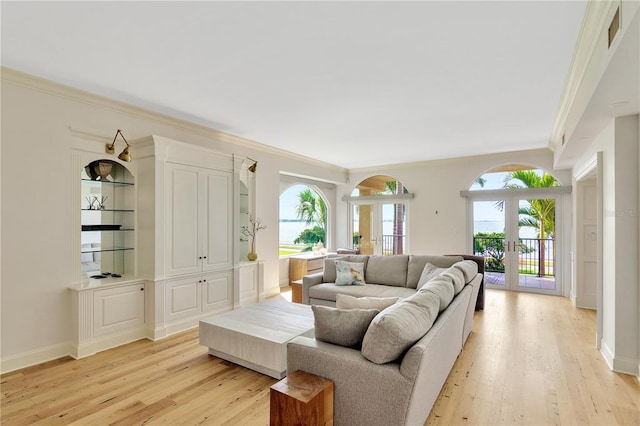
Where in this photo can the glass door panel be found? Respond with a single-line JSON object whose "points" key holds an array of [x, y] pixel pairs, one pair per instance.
{"points": [[489, 226], [393, 229], [379, 228], [518, 255], [363, 232], [536, 244]]}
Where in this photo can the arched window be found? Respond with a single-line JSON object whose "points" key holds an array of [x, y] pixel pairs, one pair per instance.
{"points": [[378, 212], [303, 219]]}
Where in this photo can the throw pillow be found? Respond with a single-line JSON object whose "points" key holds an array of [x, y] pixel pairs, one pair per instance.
{"points": [[344, 327], [349, 273], [344, 301], [442, 287], [469, 268], [399, 326], [457, 277], [430, 271]]}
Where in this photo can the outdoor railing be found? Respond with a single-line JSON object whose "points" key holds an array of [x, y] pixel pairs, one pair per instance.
{"points": [[393, 244], [535, 255]]}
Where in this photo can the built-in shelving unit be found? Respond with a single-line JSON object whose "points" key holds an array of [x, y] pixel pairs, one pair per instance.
{"points": [[107, 222]]}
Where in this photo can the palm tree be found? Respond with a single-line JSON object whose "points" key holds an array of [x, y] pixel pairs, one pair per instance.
{"points": [[396, 187], [313, 211], [540, 213], [311, 208]]}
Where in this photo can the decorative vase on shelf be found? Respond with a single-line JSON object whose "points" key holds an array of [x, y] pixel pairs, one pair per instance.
{"points": [[252, 255]]}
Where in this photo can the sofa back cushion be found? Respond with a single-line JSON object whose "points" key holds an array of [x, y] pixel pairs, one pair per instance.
{"points": [[441, 286], [469, 268], [399, 326], [329, 274], [418, 262], [457, 277], [430, 271], [387, 270]]}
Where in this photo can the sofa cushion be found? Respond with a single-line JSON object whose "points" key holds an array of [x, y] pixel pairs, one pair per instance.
{"points": [[399, 326], [328, 291], [441, 286], [430, 271], [349, 273], [329, 274], [469, 269], [457, 277], [344, 327], [418, 262], [387, 270], [344, 301]]}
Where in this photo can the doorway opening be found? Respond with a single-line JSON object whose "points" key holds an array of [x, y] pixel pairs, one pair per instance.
{"points": [[378, 216]]}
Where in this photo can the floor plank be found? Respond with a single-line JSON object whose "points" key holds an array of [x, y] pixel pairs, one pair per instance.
{"points": [[530, 360]]}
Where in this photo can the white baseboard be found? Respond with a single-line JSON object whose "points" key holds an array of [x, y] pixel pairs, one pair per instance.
{"points": [[99, 345], [37, 356], [625, 365], [606, 353], [619, 364]]}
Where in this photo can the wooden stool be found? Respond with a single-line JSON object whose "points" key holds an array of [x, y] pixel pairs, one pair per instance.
{"points": [[302, 399]]}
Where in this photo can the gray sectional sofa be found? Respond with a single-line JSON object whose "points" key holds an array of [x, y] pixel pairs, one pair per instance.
{"points": [[401, 391]]}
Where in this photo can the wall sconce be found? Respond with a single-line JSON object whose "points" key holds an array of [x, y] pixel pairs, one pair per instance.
{"points": [[125, 155]]}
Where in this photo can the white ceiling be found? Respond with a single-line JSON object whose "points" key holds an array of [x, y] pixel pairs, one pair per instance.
{"points": [[355, 84]]}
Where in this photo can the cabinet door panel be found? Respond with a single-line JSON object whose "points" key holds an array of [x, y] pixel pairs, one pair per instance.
{"points": [[182, 298], [217, 229], [118, 308], [182, 246], [218, 292]]}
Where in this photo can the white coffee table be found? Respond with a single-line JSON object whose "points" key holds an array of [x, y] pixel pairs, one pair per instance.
{"points": [[256, 336]]}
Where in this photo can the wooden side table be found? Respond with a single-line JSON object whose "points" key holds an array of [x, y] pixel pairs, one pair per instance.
{"points": [[305, 264], [301, 398], [296, 291]]}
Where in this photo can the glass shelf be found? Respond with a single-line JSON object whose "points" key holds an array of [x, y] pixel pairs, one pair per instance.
{"points": [[107, 230], [102, 250], [115, 183], [108, 210]]}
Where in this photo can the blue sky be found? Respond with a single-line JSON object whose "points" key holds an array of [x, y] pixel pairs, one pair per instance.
{"points": [[289, 202]]}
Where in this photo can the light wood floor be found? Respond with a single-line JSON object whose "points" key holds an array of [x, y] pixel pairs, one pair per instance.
{"points": [[530, 360]]}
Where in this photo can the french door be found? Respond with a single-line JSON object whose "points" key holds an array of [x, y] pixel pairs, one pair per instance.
{"points": [[517, 237], [379, 227]]}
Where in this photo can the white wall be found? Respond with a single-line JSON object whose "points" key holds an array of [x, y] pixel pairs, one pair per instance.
{"points": [[618, 143], [37, 179], [437, 186]]}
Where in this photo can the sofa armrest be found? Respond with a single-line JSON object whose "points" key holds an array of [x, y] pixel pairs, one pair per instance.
{"points": [[309, 281], [364, 393]]}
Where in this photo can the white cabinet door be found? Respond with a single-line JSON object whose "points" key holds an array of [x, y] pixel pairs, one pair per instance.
{"points": [[182, 298], [199, 235], [118, 308], [217, 292], [217, 219], [182, 245]]}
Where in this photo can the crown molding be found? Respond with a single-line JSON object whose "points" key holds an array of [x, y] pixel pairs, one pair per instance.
{"points": [[49, 87], [507, 157], [594, 23]]}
